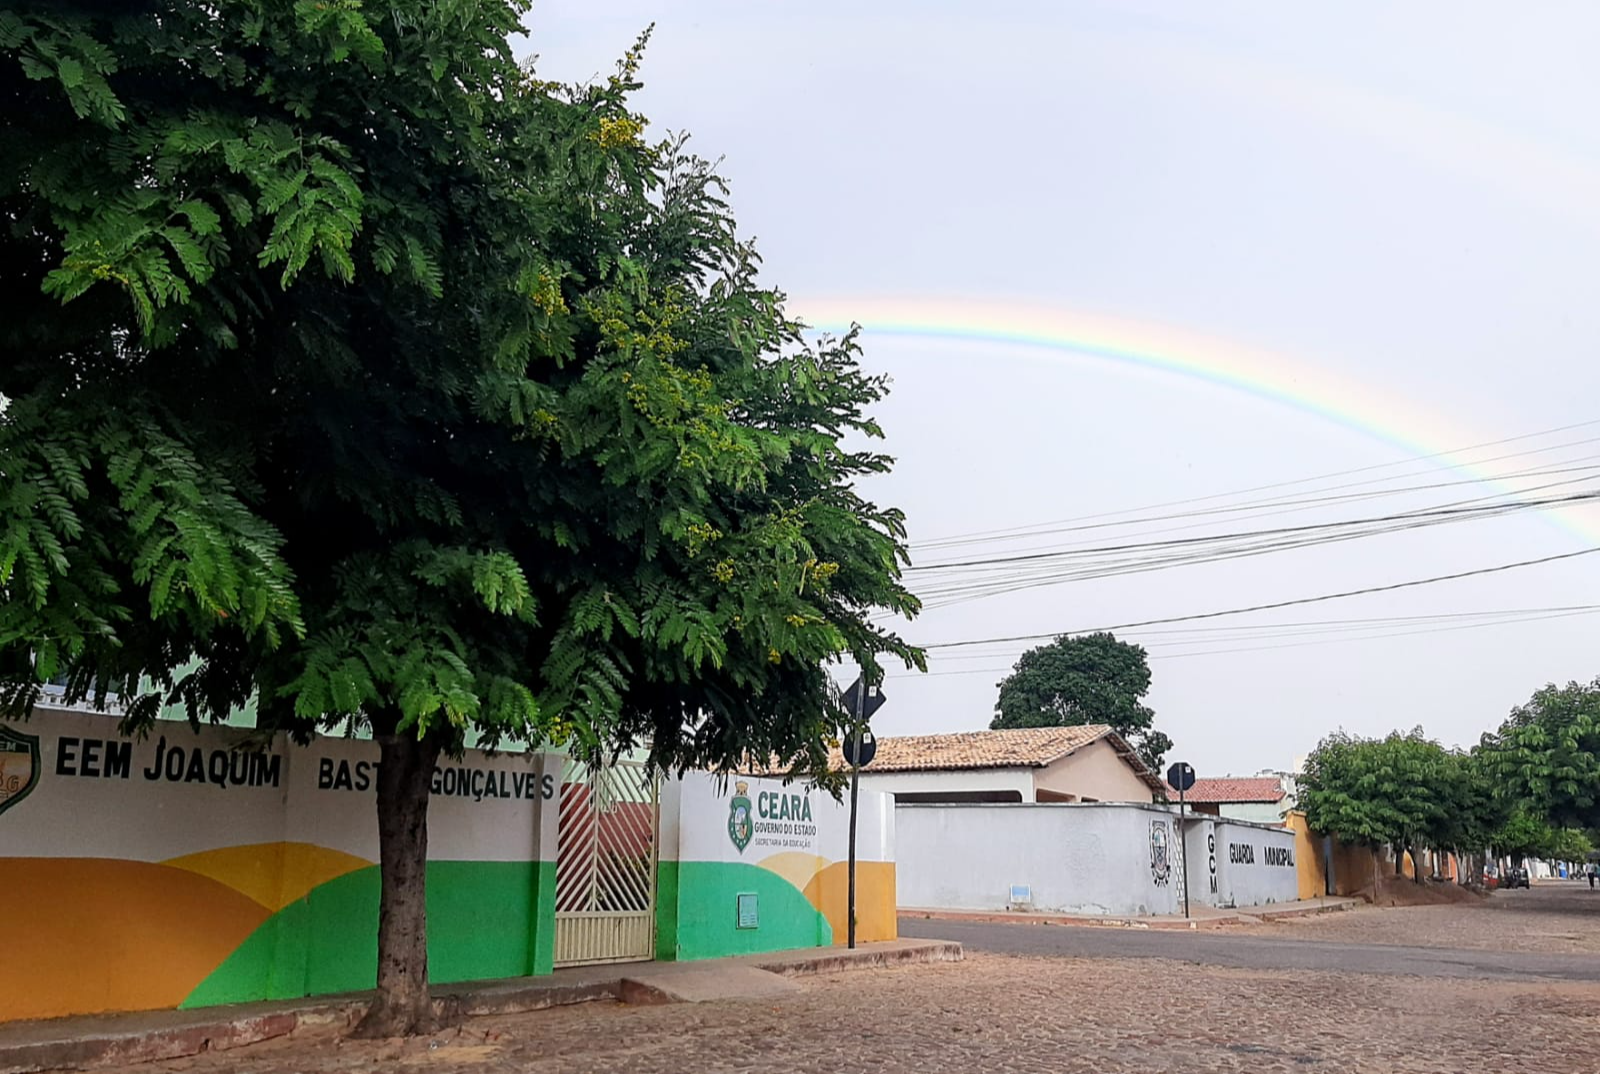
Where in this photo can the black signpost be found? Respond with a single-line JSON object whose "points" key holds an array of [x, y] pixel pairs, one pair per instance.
{"points": [[859, 749], [1180, 775]]}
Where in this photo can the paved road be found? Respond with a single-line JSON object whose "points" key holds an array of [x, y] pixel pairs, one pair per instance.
{"points": [[1222, 948]]}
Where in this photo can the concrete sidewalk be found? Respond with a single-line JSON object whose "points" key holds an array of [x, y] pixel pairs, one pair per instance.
{"points": [[141, 1037], [1199, 917]]}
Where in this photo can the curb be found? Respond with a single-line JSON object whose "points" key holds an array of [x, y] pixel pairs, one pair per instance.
{"points": [[1228, 917], [1013, 918], [863, 959], [1340, 904], [186, 1039], [66, 1045]]}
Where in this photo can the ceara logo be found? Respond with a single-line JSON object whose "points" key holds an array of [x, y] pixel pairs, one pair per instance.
{"points": [[741, 826], [19, 766]]}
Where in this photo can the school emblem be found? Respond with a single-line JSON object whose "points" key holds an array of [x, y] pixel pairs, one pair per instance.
{"points": [[19, 766], [740, 824]]}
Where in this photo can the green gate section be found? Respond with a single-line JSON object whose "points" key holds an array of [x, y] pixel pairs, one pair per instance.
{"points": [[697, 912], [485, 920]]}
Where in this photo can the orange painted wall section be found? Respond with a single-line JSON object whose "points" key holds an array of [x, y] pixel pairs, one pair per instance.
{"points": [[122, 936], [275, 874], [876, 920], [1310, 870]]}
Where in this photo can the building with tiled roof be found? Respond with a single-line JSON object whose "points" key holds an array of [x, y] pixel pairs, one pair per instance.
{"points": [[1247, 798], [1081, 763]]}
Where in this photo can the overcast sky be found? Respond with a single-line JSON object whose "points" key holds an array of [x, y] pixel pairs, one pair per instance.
{"points": [[1390, 211]]}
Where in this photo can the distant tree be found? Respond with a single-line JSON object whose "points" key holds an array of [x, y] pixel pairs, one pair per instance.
{"points": [[1523, 835], [1569, 845], [407, 391], [1473, 812], [1546, 756], [1090, 679], [1526, 834]]}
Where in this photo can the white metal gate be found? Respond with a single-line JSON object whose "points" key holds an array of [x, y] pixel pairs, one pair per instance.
{"points": [[606, 865]]}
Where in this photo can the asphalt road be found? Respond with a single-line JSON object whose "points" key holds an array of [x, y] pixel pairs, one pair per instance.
{"points": [[1224, 949]]}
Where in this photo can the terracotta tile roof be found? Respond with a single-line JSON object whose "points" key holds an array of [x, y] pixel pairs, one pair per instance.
{"points": [[1011, 748], [1233, 789]]}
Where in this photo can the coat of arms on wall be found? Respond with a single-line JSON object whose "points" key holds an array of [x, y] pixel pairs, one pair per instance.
{"points": [[1160, 852], [19, 766], [741, 826]]}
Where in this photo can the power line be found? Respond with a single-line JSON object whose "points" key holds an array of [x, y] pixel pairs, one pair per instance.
{"points": [[982, 582], [976, 536], [1586, 611], [1443, 512], [1286, 506], [1197, 636], [1274, 604]]}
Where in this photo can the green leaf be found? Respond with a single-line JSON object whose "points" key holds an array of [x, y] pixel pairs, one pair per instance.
{"points": [[71, 72]]}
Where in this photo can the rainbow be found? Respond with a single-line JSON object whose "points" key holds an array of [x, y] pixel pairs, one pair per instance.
{"points": [[1053, 334]]}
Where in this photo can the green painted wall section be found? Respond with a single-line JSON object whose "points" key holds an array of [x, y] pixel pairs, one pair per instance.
{"points": [[667, 910], [697, 916], [544, 938], [483, 922]]}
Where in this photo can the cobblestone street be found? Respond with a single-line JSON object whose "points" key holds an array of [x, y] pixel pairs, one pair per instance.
{"points": [[1553, 917], [1088, 1005], [1032, 1013]]}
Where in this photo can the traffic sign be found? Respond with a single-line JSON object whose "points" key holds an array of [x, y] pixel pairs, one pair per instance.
{"points": [[869, 749], [1180, 776], [862, 709]]}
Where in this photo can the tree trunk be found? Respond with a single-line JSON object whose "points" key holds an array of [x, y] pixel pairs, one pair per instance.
{"points": [[1416, 864], [403, 1006]]}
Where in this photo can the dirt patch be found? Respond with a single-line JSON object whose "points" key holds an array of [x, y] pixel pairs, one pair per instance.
{"points": [[1403, 892]]}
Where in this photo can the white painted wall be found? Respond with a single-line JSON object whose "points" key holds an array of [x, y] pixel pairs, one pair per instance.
{"points": [[1255, 864], [1019, 780], [160, 808], [1077, 858], [695, 821]]}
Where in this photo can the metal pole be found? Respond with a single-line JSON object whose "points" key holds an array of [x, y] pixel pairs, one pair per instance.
{"points": [[1183, 847], [855, 789]]}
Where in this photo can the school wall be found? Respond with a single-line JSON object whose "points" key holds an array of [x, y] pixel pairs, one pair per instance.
{"points": [[782, 845], [178, 871]]}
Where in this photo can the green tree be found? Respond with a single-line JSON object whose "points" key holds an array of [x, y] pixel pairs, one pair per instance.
{"points": [[1525, 834], [1391, 792], [408, 391], [1089, 679], [1472, 811], [1546, 755]]}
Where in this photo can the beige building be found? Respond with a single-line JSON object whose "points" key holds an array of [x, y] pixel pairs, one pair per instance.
{"points": [[1085, 763]]}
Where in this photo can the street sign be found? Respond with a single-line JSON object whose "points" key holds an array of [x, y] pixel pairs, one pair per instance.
{"points": [[859, 749], [862, 709], [869, 749], [1180, 776]]}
